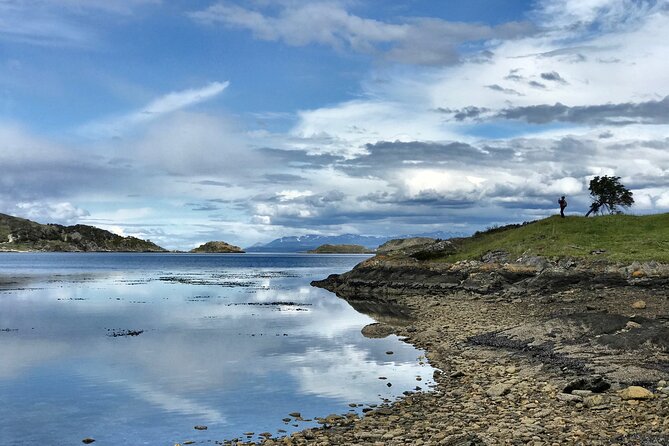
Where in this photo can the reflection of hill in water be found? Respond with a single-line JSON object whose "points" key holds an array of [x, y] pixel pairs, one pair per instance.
{"points": [[385, 312]]}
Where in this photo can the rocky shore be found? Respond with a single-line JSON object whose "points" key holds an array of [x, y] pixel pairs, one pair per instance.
{"points": [[528, 351]]}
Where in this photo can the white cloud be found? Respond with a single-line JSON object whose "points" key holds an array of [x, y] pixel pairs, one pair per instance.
{"points": [[318, 22], [609, 15], [161, 106], [351, 125], [452, 182], [663, 200], [427, 41], [123, 215], [63, 213], [58, 22]]}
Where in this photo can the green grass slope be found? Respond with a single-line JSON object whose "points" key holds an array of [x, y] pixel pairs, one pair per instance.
{"points": [[617, 238]]}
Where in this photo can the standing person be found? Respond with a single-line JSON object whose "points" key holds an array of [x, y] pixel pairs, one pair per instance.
{"points": [[563, 204]]}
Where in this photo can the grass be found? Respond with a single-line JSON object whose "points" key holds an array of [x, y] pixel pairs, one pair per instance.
{"points": [[622, 238]]}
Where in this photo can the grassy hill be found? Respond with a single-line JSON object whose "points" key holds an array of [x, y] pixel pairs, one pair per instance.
{"points": [[341, 249], [620, 238], [19, 234]]}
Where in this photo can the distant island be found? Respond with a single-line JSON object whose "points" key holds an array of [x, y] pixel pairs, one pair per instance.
{"points": [[217, 247], [341, 249], [308, 242], [19, 234]]}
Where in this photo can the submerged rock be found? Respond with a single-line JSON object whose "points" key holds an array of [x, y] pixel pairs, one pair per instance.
{"points": [[377, 330]]}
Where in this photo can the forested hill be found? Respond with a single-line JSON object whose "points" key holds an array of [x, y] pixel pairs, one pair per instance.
{"points": [[18, 234]]}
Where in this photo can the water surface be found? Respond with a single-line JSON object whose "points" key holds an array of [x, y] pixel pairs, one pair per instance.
{"points": [[140, 348]]}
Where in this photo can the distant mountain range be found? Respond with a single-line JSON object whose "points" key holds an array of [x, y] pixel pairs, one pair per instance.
{"points": [[19, 234], [312, 241]]}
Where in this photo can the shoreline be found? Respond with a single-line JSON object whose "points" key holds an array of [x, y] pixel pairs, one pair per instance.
{"points": [[545, 365]]}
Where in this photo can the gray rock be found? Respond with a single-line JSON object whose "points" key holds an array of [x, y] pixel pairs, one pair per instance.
{"points": [[568, 397], [499, 256], [595, 400], [499, 389], [581, 392]]}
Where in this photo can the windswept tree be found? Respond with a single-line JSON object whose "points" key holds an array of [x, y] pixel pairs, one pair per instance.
{"points": [[609, 194]]}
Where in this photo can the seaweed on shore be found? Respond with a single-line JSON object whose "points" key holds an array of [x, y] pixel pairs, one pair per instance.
{"points": [[544, 353]]}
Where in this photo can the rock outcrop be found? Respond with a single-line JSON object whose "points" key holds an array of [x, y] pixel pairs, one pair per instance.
{"points": [[380, 276], [217, 247], [588, 314]]}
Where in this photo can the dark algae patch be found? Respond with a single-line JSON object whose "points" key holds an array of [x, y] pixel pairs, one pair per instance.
{"points": [[114, 333]]}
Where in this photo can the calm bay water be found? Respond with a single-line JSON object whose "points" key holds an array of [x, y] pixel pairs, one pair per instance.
{"points": [[140, 348]]}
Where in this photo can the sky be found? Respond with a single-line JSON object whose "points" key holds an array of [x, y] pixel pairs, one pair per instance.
{"points": [[188, 121]]}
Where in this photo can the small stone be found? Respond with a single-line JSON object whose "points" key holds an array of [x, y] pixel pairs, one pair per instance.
{"points": [[636, 393], [88, 440], [295, 414], [632, 325], [457, 374], [189, 442], [568, 397], [581, 392], [389, 352], [639, 305], [594, 400], [500, 389], [200, 427], [389, 385]]}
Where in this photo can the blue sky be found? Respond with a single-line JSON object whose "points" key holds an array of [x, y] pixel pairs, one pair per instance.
{"points": [[184, 122]]}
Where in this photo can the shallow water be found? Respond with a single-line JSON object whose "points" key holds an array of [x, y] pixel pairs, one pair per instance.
{"points": [[140, 348]]}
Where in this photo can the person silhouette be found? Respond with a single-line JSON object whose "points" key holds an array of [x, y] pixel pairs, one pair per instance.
{"points": [[563, 204]]}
